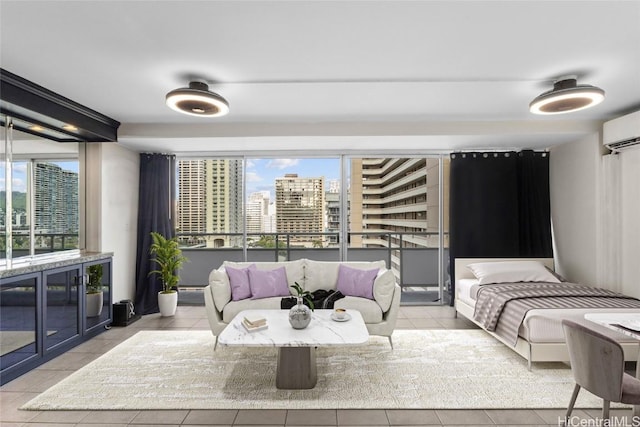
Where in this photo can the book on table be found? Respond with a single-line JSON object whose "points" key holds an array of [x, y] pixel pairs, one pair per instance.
{"points": [[254, 327], [255, 321]]}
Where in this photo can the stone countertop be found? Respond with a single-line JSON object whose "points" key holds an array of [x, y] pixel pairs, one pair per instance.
{"points": [[50, 261]]}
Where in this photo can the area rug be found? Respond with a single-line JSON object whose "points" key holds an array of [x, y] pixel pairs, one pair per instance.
{"points": [[429, 369]]}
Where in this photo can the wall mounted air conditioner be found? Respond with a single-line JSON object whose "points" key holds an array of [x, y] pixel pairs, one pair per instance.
{"points": [[623, 132]]}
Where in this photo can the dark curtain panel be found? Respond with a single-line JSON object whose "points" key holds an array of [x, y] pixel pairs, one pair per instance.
{"points": [[498, 206], [155, 213]]}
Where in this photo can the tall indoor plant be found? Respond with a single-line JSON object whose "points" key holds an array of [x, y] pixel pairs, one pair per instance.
{"points": [[94, 296], [168, 258]]}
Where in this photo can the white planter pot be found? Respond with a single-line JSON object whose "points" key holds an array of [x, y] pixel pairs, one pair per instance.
{"points": [[93, 304], [167, 302]]}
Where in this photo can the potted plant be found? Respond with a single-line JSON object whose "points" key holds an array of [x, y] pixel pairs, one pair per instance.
{"points": [[169, 259], [94, 297], [300, 314]]}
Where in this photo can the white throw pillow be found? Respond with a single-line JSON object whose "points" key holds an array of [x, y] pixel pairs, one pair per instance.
{"points": [[383, 288], [511, 272]]}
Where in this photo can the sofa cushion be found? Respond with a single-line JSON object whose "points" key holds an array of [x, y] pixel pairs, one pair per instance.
{"points": [[220, 288], [268, 283], [239, 282], [295, 269], [383, 288], [370, 310], [324, 274], [355, 282], [235, 307]]}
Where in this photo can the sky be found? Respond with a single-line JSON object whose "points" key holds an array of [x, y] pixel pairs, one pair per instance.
{"points": [[262, 173], [20, 174]]}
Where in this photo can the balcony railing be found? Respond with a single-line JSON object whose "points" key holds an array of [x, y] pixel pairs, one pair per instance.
{"points": [[44, 243], [413, 256]]}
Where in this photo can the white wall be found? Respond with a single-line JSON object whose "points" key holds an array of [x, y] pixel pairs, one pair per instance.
{"points": [[574, 176], [119, 215], [630, 165], [579, 222]]}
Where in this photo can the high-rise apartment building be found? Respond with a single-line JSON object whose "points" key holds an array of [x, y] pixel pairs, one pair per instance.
{"points": [[191, 196], [210, 200], [56, 199], [300, 207], [396, 195], [332, 216], [257, 212]]}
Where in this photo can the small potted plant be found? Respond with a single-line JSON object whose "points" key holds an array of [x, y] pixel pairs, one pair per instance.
{"points": [[300, 314], [168, 257], [94, 297]]}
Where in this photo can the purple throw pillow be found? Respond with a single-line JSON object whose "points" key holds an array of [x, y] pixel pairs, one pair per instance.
{"points": [[268, 283], [356, 283], [239, 281]]}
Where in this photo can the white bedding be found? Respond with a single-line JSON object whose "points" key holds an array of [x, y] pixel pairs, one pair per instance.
{"points": [[544, 325]]}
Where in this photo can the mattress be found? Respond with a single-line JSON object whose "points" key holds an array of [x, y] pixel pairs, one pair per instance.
{"points": [[545, 325]]}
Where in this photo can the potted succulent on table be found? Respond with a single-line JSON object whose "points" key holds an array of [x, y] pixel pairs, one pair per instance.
{"points": [[300, 314], [169, 259], [94, 297]]}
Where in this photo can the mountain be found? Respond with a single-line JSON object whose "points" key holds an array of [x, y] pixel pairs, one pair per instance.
{"points": [[19, 200]]}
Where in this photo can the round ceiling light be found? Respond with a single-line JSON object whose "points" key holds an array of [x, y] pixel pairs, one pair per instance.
{"points": [[197, 100], [566, 97]]}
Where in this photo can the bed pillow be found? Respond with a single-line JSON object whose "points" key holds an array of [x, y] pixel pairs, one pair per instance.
{"points": [[511, 272], [239, 282], [355, 282], [268, 283]]}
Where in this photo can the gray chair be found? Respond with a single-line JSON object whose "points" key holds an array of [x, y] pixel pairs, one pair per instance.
{"points": [[597, 364]]}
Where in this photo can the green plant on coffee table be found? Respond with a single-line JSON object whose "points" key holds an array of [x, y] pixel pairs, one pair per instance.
{"points": [[168, 256], [305, 295], [94, 285]]}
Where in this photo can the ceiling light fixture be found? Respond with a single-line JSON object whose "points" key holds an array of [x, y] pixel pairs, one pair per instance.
{"points": [[566, 97], [197, 100]]}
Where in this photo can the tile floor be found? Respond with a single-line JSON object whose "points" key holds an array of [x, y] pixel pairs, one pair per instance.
{"points": [[22, 389]]}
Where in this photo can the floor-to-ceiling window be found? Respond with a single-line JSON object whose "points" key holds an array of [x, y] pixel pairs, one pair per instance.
{"points": [[322, 208], [398, 212]]}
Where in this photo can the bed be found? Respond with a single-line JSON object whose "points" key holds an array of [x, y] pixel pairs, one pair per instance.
{"points": [[539, 337]]}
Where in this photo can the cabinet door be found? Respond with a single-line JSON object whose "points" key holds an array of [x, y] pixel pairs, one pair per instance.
{"points": [[61, 305], [97, 307], [18, 320]]}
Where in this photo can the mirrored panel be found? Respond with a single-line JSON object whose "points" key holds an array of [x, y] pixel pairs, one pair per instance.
{"points": [[98, 293], [43, 203], [18, 298], [61, 317]]}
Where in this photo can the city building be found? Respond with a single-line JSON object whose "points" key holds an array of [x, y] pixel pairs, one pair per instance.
{"points": [[56, 199], [210, 202], [396, 202], [257, 212], [332, 216], [300, 208]]}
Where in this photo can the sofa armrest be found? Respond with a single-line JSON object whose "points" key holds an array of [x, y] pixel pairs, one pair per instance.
{"points": [[220, 288], [213, 315], [394, 309]]}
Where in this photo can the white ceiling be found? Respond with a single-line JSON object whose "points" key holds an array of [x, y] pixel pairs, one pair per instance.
{"points": [[330, 75]]}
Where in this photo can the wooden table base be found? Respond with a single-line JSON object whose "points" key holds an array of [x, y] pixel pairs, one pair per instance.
{"points": [[296, 368]]}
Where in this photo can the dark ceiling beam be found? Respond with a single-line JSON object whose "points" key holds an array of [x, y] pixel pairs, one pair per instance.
{"points": [[32, 104]]}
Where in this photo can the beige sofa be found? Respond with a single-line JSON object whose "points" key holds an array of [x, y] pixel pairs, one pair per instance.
{"points": [[379, 314]]}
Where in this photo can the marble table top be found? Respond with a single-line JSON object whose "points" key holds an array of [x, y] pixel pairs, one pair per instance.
{"points": [[322, 331], [617, 322]]}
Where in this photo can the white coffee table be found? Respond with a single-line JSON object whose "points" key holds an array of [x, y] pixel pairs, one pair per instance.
{"points": [[296, 347]]}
